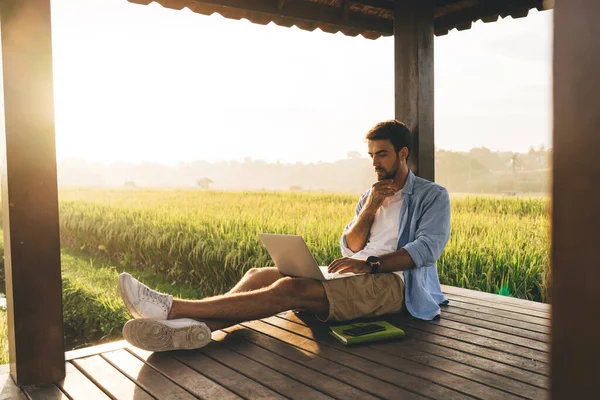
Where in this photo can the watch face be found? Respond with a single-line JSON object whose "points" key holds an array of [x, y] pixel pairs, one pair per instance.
{"points": [[372, 259]]}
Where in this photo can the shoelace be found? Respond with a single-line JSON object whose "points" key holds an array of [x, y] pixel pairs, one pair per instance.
{"points": [[154, 296]]}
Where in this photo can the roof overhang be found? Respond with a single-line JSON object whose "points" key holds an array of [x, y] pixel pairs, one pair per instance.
{"points": [[369, 18]]}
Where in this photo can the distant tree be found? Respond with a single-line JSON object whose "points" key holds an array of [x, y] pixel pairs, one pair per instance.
{"points": [[130, 184], [295, 188], [204, 183], [515, 162]]}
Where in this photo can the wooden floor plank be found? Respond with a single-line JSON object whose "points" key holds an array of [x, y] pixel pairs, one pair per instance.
{"points": [[44, 392], [110, 379], [482, 341], [415, 340], [499, 306], [95, 350], [78, 386], [145, 376], [477, 294], [494, 334], [226, 377], [466, 371], [341, 376], [406, 351], [490, 354], [323, 383], [525, 326], [8, 389], [501, 313], [484, 346], [509, 371], [422, 387], [266, 376], [184, 376], [450, 315], [444, 378]]}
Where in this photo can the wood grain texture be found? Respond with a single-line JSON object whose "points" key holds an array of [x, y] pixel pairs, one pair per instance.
{"points": [[463, 355], [433, 370], [476, 294], [79, 386], [341, 378], [110, 379], [413, 77], [184, 376], [225, 376], [146, 377], [29, 195], [575, 206]]}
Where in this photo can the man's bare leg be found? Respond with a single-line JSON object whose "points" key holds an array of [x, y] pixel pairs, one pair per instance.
{"points": [[282, 295], [255, 278]]}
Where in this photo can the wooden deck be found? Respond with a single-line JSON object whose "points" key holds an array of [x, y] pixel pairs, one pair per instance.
{"points": [[484, 346]]}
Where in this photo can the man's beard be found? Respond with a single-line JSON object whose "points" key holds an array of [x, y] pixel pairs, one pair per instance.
{"points": [[388, 174]]}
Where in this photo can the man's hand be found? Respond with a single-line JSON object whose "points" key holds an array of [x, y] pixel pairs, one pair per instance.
{"points": [[348, 265], [379, 192]]}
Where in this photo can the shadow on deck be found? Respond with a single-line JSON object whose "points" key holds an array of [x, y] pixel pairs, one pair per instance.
{"points": [[484, 346]]}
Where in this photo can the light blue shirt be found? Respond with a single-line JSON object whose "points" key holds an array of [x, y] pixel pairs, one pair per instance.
{"points": [[424, 232]]}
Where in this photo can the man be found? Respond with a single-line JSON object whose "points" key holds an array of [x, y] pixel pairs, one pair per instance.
{"points": [[400, 228]]}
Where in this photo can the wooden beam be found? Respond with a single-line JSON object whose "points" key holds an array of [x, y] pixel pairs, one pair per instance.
{"points": [[454, 7], [413, 34], [486, 11], [292, 13], [575, 207], [29, 195], [345, 9]]}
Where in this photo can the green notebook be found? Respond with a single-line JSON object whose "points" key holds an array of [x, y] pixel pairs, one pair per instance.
{"points": [[390, 332]]}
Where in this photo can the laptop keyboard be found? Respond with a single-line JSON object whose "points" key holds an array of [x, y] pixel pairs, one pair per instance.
{"points": [[329, 275]]}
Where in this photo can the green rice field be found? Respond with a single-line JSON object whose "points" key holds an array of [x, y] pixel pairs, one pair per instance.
{"points": [[208, 239]]}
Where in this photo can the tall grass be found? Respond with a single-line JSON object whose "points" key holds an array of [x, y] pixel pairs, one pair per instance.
{"points": [[3, 338], [92, 308], [209, 239]]}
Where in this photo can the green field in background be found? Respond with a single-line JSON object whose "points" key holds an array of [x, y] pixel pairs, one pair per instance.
{"points": [[209, 239]]}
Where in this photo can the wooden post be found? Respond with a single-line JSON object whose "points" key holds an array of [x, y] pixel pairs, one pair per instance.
{"points": [[575, 353], [413, 44], [29, 195]]}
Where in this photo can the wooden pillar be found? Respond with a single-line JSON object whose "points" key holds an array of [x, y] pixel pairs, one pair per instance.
{"points": [[575, 354], [413, 46], [29, 195]]}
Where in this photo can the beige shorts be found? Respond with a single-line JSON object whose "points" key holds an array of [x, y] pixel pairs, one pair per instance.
{"points": [[368, 295]]}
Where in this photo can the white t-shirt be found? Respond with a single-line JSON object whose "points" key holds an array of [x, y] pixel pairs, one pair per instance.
{"points": [[383, 238]]}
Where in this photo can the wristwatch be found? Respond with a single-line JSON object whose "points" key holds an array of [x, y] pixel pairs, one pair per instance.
{"points": [[373, 262]]}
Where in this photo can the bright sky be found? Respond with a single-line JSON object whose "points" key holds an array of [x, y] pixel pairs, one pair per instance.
{"points": [[143, 83]]}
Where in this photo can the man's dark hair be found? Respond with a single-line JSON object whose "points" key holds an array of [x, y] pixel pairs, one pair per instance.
{"points": [[393, 130]]}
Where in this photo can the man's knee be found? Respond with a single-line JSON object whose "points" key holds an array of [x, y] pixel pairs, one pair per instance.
{"points": [[266, 276], [253, 272], [302, 294], [298, 288]]}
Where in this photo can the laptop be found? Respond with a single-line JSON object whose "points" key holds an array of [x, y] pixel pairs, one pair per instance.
{"points": [[293, 258]]}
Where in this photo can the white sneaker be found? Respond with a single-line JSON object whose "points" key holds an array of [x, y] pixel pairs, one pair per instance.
{"points": [[173, 334], [141, 301]]}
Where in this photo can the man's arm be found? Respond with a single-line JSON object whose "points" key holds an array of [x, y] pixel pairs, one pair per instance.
{"points": [[430, 239], [356, 236], [399, 260]]}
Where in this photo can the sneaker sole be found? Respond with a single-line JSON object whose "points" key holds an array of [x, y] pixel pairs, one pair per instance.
{"points": [[125, 298], [153, 335]]}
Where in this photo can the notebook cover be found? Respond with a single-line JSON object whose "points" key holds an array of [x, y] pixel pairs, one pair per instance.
{"points": [[390, 332]]}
